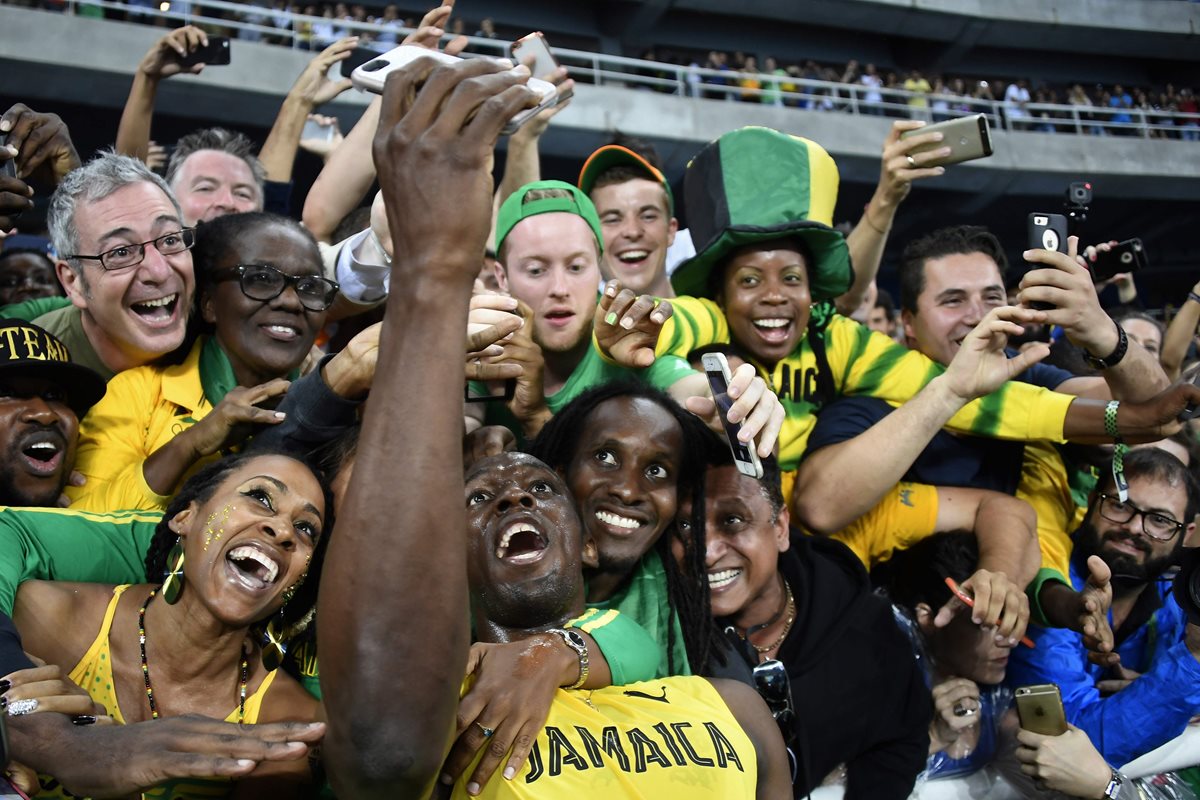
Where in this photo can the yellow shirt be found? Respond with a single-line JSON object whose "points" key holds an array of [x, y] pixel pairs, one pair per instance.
{"points": [[94, 674], [904, 516], [1045, 486], [145, 408], [661, 739], [863, 362]]}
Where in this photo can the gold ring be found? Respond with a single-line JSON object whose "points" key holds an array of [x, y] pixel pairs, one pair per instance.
{"points": [[487, 732], [912, 162]]}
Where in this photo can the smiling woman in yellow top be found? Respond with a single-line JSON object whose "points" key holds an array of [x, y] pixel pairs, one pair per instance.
{"points": [[263, 300], [240, 548]]}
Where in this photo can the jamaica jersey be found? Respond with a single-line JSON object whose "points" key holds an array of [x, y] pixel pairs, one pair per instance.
{"points": [[672, 737], [862, 362]]}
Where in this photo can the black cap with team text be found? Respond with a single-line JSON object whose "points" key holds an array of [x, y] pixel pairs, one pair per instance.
{"points": [[26, 349]]}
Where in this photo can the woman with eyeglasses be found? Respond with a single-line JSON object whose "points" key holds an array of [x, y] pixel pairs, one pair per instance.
{"points": [[262, 299]]}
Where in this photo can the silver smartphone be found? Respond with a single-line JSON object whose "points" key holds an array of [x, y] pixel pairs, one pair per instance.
{"points": [[716, 367], [372, 75], [544, 62], [967, 137]]}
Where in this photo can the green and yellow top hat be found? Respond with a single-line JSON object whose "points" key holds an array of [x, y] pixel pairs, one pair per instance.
{"points": [[756, 184]]}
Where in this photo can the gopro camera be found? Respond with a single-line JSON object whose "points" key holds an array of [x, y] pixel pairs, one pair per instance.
{"points": [[1079, 199], [1187, 583]]}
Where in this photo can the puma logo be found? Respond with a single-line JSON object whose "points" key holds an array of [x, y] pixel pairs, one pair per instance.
{"points": [[636, 693]]}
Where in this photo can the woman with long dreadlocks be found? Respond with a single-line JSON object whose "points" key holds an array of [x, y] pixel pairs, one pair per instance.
{"points": [[240, 547]]}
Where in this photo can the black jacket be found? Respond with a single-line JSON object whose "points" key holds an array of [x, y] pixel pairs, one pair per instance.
{"points": [[859, 696]]}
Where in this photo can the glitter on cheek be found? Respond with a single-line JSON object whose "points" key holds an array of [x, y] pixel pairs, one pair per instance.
{"points": [[211, 535]]}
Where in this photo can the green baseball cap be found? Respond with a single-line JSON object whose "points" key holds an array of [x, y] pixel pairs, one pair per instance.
{"points": [[515, 208], [757, 184], [614, 155]]}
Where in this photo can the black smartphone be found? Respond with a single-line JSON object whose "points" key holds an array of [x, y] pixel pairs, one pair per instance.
{"points": [[716, 367], [1127, 256], [214, 54], [510, 388], [358, 56], [1047, 232]]}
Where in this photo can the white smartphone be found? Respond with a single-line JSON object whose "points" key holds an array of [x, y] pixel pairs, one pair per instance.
{"points": [[315, 130], [716, 367], [372, 75], [544, 62]]}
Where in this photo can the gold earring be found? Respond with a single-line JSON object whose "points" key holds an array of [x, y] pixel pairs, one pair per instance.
{"points": [[173, 582]]}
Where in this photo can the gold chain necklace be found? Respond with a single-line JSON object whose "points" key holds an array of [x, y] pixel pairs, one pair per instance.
{"points": [[790, 605]]}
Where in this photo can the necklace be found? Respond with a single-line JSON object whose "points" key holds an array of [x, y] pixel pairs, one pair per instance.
{"points": [[245, 669], [790, 605]]}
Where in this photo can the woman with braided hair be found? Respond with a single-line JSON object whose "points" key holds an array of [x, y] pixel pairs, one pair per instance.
{"points": [[239, 552]]}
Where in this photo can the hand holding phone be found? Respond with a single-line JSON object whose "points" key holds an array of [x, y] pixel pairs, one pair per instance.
{"points": [[1126, 256], [214, 54], [545, 65], [968, 138], [716, 368], [372, 76], [1040, 709]]}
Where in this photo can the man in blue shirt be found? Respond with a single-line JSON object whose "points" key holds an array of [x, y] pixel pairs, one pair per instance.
{"points": [[1131, 708]]}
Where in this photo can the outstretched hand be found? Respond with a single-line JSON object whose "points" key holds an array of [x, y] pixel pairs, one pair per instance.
{"points": [[314, 87], [998, 603], [43, 146], [165, 58], [981, 366], [1094, 602], [627, 325]]}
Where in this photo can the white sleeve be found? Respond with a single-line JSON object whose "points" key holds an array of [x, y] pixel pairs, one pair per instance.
{"points": [[362, 269]]}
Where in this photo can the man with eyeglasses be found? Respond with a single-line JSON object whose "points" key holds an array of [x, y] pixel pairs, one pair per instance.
{"points": [[124, 263], [1147, 699]]}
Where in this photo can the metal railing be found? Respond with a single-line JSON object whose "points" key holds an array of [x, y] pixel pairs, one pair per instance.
{"points": [[300, 31]]}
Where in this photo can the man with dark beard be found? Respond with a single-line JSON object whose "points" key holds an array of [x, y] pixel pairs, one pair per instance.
{"points": [[42, 396], [1132, 707]]}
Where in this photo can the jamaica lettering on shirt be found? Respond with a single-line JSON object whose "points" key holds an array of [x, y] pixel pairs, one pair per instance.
{"points": [[654, 739]]}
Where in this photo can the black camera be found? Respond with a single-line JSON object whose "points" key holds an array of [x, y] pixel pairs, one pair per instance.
{"points": [[1187, 583], [1079, 194]]}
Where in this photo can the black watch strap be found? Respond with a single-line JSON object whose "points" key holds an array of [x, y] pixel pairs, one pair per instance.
{"points": [[1113, 358]]}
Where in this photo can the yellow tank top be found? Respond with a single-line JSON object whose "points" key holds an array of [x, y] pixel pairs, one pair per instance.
{"points": [[666, 738], [94, 674]]}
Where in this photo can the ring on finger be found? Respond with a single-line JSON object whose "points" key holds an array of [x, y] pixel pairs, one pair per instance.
{"points": [[18, 708], [912, 162], [961, 710], [487, 732]]}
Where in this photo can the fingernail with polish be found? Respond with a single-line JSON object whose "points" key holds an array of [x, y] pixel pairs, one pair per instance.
{"points": [[472, 788], [5, 685], [83, 719], [611, 318], [627, 323], [446, 779], [509, 772]]}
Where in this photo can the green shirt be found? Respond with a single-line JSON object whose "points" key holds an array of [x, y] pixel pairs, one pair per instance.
{"points": [[57, 315], [591, 371], [643, 599]]}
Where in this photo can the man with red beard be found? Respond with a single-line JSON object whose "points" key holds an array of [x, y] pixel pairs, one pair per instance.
{"points": [[1148, 698], [42, 397]]}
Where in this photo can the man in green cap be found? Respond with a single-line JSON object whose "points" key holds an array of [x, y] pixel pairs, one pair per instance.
{"points": [[548, 247]]}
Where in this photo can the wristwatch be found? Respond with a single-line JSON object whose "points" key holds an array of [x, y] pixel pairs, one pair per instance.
{"points": [[579, 645], [1114, 357], [1116, 787]]}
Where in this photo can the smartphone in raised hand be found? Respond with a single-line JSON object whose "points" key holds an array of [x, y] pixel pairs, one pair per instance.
{"points": [[544, 62], [372, 76], [968, 138], [716, 367], [214, 54], [1040, 709]]}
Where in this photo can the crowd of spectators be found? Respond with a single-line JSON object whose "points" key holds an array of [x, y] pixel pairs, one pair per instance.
{"points": [[938, 97], [467, 440]]}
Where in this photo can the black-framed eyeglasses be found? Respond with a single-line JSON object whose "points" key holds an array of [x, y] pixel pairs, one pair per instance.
{"points": [[1155, 525], [263, 282], [130, 255]]}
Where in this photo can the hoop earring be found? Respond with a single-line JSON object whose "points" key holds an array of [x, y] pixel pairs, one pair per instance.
{"points": [[274, 647], [173, 582]]}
